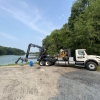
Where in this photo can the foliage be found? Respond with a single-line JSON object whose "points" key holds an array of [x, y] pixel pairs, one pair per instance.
{"points": [[98, 69], [10, 51], [34, 53], [81, 31]]}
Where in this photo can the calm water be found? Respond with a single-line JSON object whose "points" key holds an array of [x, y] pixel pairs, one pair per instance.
{"points": [[10, 59]]}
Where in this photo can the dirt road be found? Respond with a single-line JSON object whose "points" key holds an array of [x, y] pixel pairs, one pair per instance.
{"points": [[48, 83]]}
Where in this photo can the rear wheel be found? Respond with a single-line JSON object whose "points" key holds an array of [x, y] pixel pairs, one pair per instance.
{"points": [[41, 63], [47, 63], [92, 66]]}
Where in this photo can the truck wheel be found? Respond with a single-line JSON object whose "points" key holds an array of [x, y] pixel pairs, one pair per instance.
{"points": [[47, 63], [92, 66], [41, 63]]}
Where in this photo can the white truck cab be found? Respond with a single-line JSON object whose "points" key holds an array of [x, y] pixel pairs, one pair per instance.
{"points": [[89, 61]]}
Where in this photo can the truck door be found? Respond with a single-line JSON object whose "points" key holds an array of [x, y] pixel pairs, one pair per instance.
{"points": [[81, 55]]}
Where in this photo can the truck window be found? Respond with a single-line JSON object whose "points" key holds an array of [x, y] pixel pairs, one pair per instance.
{"points": [[80, 52]]}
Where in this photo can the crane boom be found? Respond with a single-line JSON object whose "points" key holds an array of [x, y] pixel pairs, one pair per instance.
{"points": [[41, 53]]}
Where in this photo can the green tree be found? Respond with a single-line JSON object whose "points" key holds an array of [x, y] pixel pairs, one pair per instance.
{"points": [[10, 51], [81, 31]]}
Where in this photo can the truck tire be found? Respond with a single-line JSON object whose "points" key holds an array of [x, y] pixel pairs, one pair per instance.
{"points": [[92, 66], [41, 63], [47, 63]]}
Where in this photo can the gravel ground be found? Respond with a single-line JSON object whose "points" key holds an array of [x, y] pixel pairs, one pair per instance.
{"points": [[48, 83]]}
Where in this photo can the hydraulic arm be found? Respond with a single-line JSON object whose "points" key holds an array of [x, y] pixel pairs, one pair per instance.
{"points": [[41, 53]]}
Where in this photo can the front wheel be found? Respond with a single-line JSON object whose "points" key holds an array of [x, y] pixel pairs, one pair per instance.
{"points": [[92, 66], [47, 63]]}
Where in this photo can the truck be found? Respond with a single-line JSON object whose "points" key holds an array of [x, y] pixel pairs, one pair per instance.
{"points": [[64, 58], [81, 59]]}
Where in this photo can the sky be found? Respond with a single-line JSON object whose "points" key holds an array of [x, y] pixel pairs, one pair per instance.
{"points": [[30, 21]]}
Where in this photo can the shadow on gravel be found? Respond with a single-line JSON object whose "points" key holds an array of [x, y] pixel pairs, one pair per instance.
{"points": [[78, 85]]}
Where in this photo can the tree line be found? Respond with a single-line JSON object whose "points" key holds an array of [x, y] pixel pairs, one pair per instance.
{"points": [[81, 32], [34, 53], [10, 51]]}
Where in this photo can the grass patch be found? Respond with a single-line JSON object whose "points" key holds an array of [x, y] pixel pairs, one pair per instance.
{"points": [[98, 69], [18, 64], [35, 62], [10, 65]]}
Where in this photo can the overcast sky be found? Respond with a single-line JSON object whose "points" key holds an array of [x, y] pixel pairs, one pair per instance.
{"points": [[29, 21]]}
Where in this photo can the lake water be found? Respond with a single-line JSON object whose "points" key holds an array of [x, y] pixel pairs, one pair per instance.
{"points": [[10, 59]]}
